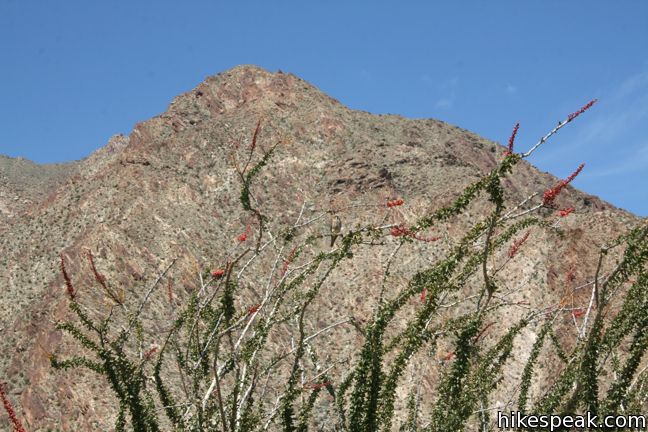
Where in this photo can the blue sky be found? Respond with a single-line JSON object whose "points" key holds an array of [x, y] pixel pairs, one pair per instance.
{"points": [[74, 73]]}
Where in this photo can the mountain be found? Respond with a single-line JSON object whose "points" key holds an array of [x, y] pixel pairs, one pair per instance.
{"points": [[169, 190]]}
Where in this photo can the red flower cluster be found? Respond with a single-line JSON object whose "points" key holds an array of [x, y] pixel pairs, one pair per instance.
{"points": [[244, 235], [98, 276], [17, 426], [517, 244], [255, 136], [566, 212], [573, 115], [423, 295], [483, 331], [428, 239], [218, 273], [511, 140], [401, 230], [254, 308], [170, 291], [551, 194], [68, 282], [317, 386], [150, 352], [578, 312], [395, 203], [449, 356], [287, 261], [571, 275], [118, 297]]}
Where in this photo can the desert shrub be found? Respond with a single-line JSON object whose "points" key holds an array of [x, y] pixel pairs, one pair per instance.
{"points": [[220, 365]]}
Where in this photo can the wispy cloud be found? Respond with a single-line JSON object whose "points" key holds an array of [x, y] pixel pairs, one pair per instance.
{"points": [[632, 162], [625, 109], [511, 89], [634, 83], [614, 142], [448, 90], [612, 139]]}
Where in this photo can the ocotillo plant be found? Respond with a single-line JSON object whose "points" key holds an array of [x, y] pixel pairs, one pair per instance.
{"points": [[232, 361]]}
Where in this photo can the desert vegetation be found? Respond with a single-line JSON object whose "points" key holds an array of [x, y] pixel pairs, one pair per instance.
{"points": [[239, 355]]}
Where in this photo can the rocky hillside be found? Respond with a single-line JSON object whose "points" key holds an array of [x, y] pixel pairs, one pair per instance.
{"points": [[23, 184], [170, 190]]}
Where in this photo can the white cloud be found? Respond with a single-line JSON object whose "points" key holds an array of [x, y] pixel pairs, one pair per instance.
{"points": [[511, 89], [616, 135], [632, 161], [622, 110], [634, 83], [448, 90]]}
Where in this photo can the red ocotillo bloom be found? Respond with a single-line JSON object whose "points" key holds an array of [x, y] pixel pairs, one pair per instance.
{"points": [[68, 282], [429, 239], [509, 149], [483, 331], [401, 230], [170, 291], [517, 244], [395, 203], [566, 212], [244, 235], [423, 295], [152, 350], [578, 312], [551, 194], [118, 297], [317, 386], [218, 273], [13, 418], [287, 262], [449, 356], [255, 136], [575, 114], [570, 276]]}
